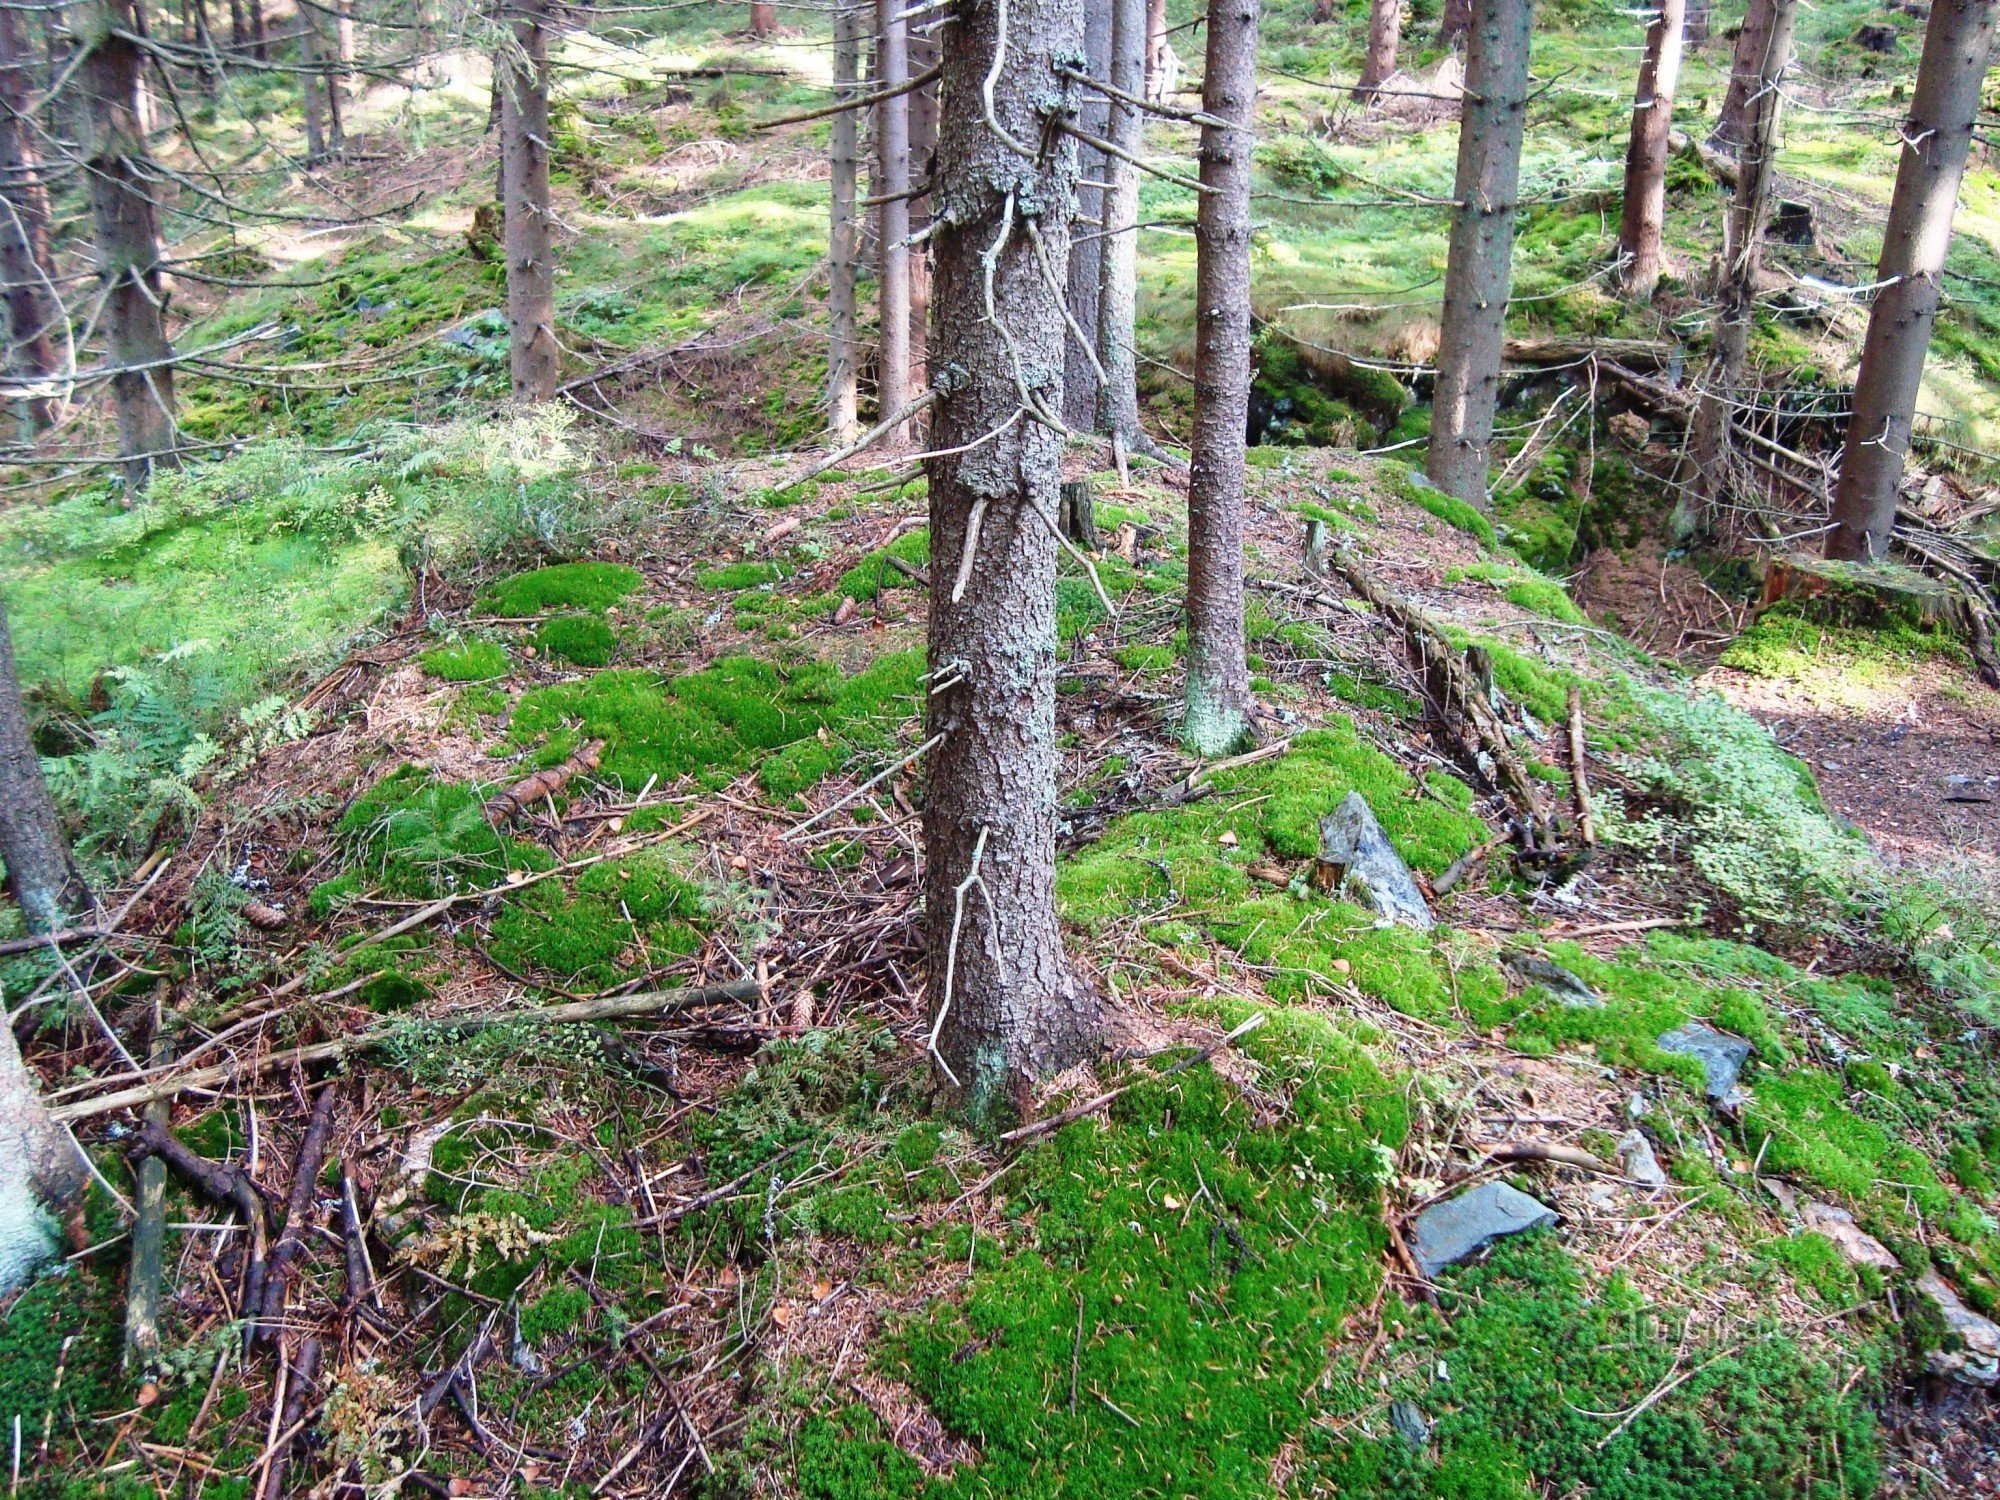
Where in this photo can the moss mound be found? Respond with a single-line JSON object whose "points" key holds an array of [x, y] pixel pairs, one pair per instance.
{"points": [[571, 585], [584, 640], [467, 661]]}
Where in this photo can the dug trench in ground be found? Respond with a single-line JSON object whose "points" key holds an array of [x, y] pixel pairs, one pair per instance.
{"points": [[1196, 1286]]}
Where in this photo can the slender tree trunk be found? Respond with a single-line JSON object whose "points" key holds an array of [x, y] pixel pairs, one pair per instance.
{"points": [[128, 247], [1086, 249], [40, 873], [1163, 64], [1700, 18], [924, 51], [1118, 296], [1479, 273], [204, 43], [260, 47], [1753, 44], [237, 34], [32, 308], [1218, 678], [311, 82], [1009, 1008], [1646, 156], [1385, 35], [842, 353], [1958, 45], [892, 182], [530, 240], [1454, 22], [763, 19], [1736, 285]]}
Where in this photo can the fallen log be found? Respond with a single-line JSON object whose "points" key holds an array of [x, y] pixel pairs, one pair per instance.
{"points": [[504, 807]]}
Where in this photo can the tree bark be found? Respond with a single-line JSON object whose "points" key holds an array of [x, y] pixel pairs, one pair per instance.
{"points": [[763, 19], [892, 182], [842, 353], [1163, 64], [238, 35], [41, 1170], [1753, 44], [40, 872], [1385, 35], [1009, 1008], [311, 85], [1118, 293], [524, 171], [1454, 22], [1479, 272], [1086, 250], [924, 51], [32, 308], [1645, 208], [1736, 283], [128, 248], [260, 47], [1218, 677], [1958, 44]]}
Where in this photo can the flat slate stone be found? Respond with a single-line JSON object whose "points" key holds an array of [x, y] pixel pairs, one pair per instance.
{"points": [[1635, 1154], [1971, 1355], [1558, 981], [1721, 1055], [1357, 861], [1449, 1232]]}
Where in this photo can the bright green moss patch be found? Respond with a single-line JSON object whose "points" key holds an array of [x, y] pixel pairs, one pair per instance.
{"points": [[735, 576], [572, 585], [1519, 1383], [1782, 643], [1144, 658], [415, 837], [874, 573], [625, 916], [1814, 1133], [1448, 508], [467, 661], [584, 640]]}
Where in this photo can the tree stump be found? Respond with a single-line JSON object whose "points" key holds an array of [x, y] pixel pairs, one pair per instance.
{"points": [[1077, 513]]}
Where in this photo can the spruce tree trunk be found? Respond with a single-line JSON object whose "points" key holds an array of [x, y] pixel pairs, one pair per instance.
{"points": [[1118, 292], [1454, 22], [1008, 1006], [40, 873], [1086, 251], [1163, 66], [763, 19], [128, 247], [260, 47], [311, 85], [238, 35], [1753, 46], [1218, 678], [1736, 284], [842, 352], [1958, 44], [924, 51], [1479, 273], [32, 309], [892, 175], [1385, 35], [524, 175], [1645, 209]]}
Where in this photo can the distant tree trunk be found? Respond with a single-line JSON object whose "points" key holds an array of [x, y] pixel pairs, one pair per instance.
{"points": [[128, 246], [1385, 35], [1736, 286], [1008, 1006], [842, 353], [1479, 272], [1218, 678], [203, 42], [1454, 22], [763, 19], [311, 83], [530, 239], [892, 183], [1753, 46], [40, 872], [1700, 20], [1958, 45], [32, 308], [1646, 156], [1163, 64], [1118, 295], [924, 52], [1086, 248], [238, 35], [259, 44]]}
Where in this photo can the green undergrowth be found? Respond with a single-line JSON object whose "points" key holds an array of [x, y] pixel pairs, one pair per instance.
{"points": [[795, 722], [1787, 645], [1523, 588], [466, 661], [1527, 1371], [569, 585], [873, 574], [413, 837], [624, 916], [1447, 508]]}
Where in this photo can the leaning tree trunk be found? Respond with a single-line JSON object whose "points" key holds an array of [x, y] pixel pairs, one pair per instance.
{"points": [[892, 177], [1218, 677], [128, 247], [32, 308], [1645, 211], [1385, 35], [1086, 249], [1118, 290], [1479, 273], [1958, 44], [524, 176], [40, 872], [1736, 285], [1753, 46], [924, 51], [1009, 1008], [842, 353]]}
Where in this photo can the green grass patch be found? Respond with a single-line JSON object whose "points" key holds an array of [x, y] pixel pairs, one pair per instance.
{"points": [[873, 574], [415, 837]]}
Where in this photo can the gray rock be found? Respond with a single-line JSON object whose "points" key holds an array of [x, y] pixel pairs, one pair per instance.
{"points": [[1558, 981], [1410, 1423], [1971, 1355], [1721, 1056], [1859, 1246], [1357, 862], [1635, 1155], [1448, 1232]]}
